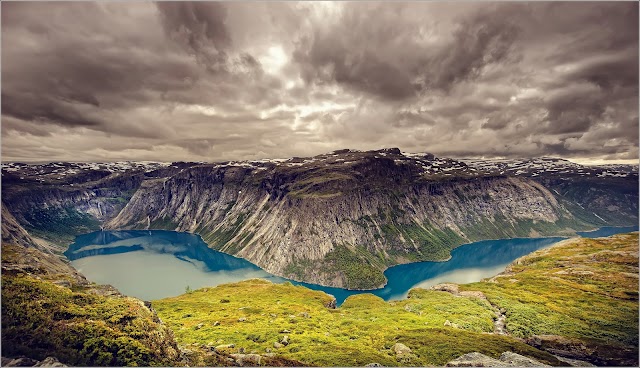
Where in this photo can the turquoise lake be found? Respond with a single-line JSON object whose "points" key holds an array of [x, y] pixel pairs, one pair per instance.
{"points": [[154, 264]]}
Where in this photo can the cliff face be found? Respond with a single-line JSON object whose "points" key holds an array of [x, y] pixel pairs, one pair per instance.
{"points": [[341, 226], [337, 219]]}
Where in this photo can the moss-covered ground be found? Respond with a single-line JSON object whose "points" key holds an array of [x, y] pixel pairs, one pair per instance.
{"points": [[585, 289], [41, 319], [255, 314]]}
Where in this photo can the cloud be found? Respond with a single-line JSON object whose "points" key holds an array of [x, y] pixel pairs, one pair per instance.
{"points": [[369, 49], [212, 81], [199, 27]]}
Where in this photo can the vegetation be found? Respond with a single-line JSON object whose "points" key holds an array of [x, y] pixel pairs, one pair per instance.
{"points": [[165, 223], [41, 319], [360, 268], [59, 225], [585, 288], [256, 314]]}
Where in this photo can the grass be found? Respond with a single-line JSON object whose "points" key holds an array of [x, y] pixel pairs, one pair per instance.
{"points": [[583, 289], [252, 315]]}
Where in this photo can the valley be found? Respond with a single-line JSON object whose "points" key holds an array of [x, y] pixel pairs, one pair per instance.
{"points": [[345, 222], [339, 219]]}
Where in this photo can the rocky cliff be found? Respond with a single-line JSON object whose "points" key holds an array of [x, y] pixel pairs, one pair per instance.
{"points": [[341, 219], [338, 219]]}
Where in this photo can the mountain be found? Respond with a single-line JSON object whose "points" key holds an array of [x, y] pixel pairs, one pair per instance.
{"points": [[337, 219]]}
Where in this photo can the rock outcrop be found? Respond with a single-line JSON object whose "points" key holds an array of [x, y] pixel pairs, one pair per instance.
{"points": [[507, 359], [313, 222], [338, 219]]}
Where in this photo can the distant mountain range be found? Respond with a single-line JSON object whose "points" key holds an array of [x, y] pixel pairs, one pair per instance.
{"points": [[337, 219]]}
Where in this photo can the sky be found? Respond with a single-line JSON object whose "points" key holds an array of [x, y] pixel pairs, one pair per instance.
{"points": [[215, 81]]}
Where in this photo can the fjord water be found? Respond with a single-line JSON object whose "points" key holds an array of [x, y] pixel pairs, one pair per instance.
{"points": [[153, 264]]}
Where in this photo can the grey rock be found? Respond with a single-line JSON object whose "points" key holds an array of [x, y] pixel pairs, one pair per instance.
{"points": [[242, 359], [285, 340], [519, 360], [401, 349], [224, 346], [475, 360], [199, 326], [575, 362], [50, 362], [373, 365], [277, 345], [21, 362], [63, 283], [507, 359], [242, 319]]}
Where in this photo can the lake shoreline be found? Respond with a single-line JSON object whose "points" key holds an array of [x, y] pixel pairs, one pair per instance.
{"points": [[161, 253]]}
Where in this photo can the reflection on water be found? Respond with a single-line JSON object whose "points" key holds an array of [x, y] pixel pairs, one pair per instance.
{"points": [[157, 264], [153, 264]]}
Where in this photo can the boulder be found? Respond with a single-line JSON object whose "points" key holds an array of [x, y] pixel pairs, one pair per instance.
{"points": [[475, 360], [50, 362], [285, 340], [242, 359], [63, 283], [401, 349], [507, 359], [242, 319], [448, 287], [519, 360], [223, 347], [21, 362], [199, 326], [373, 365], [277, 345]]}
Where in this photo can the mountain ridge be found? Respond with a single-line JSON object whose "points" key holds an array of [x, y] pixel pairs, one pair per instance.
{"points": [[337, 219]]}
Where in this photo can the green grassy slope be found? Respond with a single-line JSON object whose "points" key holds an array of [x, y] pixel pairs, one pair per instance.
{"points": [[548, 292], [253, 315], [585, 289]]}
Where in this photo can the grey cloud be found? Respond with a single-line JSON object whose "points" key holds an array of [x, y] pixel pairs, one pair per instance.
{"points": [[220, 80], [200, 27], [479, 40], [369, 50]]}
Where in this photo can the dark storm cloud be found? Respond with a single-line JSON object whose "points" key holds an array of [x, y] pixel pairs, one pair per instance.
{"points": [[369, 50], [198, 26], [226, 81]]}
